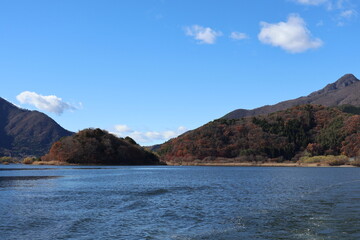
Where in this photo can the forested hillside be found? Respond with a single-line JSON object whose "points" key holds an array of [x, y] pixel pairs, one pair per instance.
{"points": [[96, 146], [24, 132], [284, 135]]}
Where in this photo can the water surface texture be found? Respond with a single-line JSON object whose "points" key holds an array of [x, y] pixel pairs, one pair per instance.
{"points": [[179, 203]]}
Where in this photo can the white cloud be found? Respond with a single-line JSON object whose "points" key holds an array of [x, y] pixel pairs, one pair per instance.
{"points": [[292, 36], [49, 103], [149, 137], [311, 2], [348, 13], [238, 36], [204, 35], [122, 129]]}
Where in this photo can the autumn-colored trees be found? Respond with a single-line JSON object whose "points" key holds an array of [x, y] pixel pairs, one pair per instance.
{"points": [[284, 135], [96, 146], [351, 131]]}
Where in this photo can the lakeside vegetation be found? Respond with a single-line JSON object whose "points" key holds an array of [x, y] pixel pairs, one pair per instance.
{"points": [[330, 160], [315, 161], [8, 160]]}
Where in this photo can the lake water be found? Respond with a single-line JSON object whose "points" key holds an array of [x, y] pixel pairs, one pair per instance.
{"points": [[42, 202]]}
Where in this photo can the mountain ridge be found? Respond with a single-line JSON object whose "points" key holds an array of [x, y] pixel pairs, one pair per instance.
{"points": [[344, 91]]}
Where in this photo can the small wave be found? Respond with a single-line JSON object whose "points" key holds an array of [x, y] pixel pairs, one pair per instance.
{"points": [[154, 192], [26, 169], [180, 189], [24, 178], [135, 205]]}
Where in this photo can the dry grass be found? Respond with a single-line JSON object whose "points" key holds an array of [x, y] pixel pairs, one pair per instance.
{"points": [[50, 163], [329, 160], [8, 160], [28, 160]]}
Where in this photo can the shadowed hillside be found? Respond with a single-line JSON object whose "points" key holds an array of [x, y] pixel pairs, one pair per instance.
{"points": [[24, 132]]}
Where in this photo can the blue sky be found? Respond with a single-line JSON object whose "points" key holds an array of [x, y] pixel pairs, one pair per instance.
{"points": [[153, 69]]}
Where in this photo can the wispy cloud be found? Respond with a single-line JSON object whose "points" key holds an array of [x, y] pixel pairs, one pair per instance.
{"points": [[345, 16], [292, 35], [328, 4], [343, 10], [238, 36], [204, 35], [148, 137], [311, 2], [49, 103], [348, 13]]}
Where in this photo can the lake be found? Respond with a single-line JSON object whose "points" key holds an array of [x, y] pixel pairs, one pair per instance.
{"points": [[167, 202]]}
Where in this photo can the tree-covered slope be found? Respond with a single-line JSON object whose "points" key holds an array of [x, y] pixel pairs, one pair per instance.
{"points": [[284, 135], [96, 146]]}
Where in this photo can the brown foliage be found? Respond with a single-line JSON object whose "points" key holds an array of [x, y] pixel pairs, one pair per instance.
{"points": [[96, 146], [351, 145], [282, 135]]}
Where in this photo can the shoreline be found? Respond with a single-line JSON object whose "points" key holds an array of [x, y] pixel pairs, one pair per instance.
{"points": [[251, 164], [204, 164]]}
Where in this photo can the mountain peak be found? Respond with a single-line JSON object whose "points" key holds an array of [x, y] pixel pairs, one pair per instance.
{"points": [[347, 79], [344, 81], [345, 91]]}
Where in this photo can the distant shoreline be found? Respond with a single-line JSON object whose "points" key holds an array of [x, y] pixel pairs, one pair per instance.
{"points": [[209, 164], [252, 164]]}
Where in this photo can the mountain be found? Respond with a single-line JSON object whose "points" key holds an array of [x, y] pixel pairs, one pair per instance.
{"points": [[280, 136], [26, 133], [96, 146], [345, 91]]}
